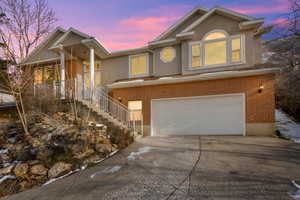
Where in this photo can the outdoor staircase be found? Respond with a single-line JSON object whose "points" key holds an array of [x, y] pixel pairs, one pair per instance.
{"points": [[113, 111], [95, 108], [100, 103]]}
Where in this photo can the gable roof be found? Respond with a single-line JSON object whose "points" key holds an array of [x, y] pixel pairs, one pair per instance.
{"points": [[67, 33], [227, 12], [245, 22], [43, 44], [181, 21]]}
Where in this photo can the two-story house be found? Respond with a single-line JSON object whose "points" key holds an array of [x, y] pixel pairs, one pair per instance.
{"points": [[202, 76]]}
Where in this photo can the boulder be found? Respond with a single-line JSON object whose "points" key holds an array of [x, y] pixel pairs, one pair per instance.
{"points": [[6, 170], [21, 169], [24, 185], [44, 153], [92, 159], [36, 142], [103, 148], [39, 170], [59, 169], [33, 162], [86, 153], [77, 148], [5, 157], [24, 155], [19, 147]]}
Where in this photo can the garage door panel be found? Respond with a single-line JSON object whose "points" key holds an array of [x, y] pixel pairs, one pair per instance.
{"points": [[211, 115]]}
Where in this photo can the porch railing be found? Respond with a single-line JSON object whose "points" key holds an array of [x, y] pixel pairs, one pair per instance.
{"points": [[99, 100]]}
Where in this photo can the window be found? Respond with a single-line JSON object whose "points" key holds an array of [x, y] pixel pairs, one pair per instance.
{"points": [[138, 65], [215, 53], [57, 73], [97, 65], [236, 49], [167, 54], [215, 35], [38, 75], [47, 74], [135, 108], [196, 59], [217, 48]]}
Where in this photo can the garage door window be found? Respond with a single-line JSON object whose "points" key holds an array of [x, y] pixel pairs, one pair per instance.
{"points": [[135, 109]]}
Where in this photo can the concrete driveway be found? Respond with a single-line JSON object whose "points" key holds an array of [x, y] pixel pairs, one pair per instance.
{"points": [[158, 168]]}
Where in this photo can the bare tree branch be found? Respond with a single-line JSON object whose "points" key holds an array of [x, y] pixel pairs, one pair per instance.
{"points": [[25, 24]]}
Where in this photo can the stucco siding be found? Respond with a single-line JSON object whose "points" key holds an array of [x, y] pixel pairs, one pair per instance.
{"points": [[161, 68], [117, 68], [45, 53], [215, 22], [184, 25], [72, 39]]}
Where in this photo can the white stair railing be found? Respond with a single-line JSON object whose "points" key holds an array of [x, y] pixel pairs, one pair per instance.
{"points": [[119, 111]]}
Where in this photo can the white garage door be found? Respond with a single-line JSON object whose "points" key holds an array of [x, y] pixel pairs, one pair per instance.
{"points": [[205, 115]]}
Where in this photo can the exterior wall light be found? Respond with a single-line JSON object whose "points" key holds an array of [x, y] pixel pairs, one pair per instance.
{"points": [[261, 87]]}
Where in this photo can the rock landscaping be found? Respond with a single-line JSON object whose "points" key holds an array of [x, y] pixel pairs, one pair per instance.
{"points": [[56, 146]]}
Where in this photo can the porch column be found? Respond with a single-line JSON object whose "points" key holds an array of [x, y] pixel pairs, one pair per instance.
{"points": [[62, 74], [92, 69]]}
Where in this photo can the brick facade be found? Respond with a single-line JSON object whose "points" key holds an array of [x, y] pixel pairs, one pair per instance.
{"points": [[260, 107]]}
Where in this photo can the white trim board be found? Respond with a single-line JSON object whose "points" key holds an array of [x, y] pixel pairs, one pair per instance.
{"points": [[180, 21], [40, 61], [42, 44], [243, 95], [212, 11], [200, 77]]}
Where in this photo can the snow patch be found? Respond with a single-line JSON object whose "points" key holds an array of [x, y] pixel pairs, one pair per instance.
{"points": [[3, 151], [83, 167], [287, 127], [166, 78], [61, 177], [107, 171], [296, 195], [142, 150], [12, 140], [99, 125], [7, 177], [133, 81], [113, 153]]}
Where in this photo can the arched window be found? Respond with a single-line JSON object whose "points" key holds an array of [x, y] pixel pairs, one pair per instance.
{"points": [[216, 48], [215, 35]]}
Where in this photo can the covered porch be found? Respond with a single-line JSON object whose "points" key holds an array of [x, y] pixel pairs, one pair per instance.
{"points": [[77, 70]]}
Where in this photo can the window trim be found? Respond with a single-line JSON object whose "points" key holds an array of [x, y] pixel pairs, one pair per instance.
{"points": [[216, 30], [164, 60], [130, 75], [228, 40]]}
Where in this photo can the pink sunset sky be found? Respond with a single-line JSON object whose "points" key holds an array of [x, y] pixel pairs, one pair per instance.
{"points": [[123, 24]]}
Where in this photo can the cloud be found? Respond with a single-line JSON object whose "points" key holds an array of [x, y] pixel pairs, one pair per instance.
{"points": [[153, 24], [277, 6], [260, 9], [280, 21], [136, 31]]}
